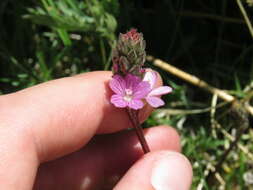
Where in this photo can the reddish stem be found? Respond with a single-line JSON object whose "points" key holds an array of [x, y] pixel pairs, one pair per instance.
{"points": [[133, 116]]}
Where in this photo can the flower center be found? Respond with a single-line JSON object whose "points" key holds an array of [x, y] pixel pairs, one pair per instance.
{"points": [[128, 95]]}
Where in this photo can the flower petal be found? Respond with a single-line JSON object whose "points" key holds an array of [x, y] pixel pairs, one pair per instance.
{"points": [[141, 90], [132, 81], [136, 104], [150, 77], [117, 84], [118, 101], [160, 91], [155, 101]]}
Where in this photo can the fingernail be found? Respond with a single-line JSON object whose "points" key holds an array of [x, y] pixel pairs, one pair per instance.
{"points": [[171, 172]]}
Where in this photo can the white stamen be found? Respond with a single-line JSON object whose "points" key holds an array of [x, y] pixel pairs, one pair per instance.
{"points": [[129, 95]]}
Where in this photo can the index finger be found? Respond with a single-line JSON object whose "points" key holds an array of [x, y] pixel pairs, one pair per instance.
{"points": [[62, 115]]}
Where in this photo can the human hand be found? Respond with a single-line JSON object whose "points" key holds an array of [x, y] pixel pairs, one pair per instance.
{"points": [[61, 135]]}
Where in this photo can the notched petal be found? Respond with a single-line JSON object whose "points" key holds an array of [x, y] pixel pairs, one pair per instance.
{"points": [[117, 84], [150, 77], [118, 101], [155, 101], [142, 90], [160, 91], [136, 104], [132, 81]]}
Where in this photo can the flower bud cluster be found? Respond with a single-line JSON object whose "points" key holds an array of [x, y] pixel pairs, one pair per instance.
{"points": [[129, 55]]}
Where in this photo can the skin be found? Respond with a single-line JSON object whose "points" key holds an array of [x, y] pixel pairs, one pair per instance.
{"points": [[65, 134]]}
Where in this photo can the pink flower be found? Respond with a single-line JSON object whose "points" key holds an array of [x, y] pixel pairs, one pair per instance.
{"points": [[153, 97], [130, 90]]}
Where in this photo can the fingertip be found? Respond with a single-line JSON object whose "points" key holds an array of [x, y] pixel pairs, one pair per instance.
{"points": [[158, 170], [171, 170]]}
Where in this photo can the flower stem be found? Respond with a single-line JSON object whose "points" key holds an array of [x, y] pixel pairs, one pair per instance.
{"points": [[133, 116]]}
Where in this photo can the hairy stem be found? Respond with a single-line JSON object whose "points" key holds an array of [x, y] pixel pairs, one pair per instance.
{"points": [[133, 116]]}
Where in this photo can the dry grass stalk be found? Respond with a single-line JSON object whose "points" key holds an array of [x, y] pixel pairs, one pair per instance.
{"points": [[196, 81], [245, 16]]}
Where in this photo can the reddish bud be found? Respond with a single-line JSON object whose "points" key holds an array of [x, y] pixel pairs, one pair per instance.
{"points": [[132, 35]]}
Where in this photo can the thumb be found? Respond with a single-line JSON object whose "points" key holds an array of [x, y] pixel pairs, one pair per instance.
{"points": [[161, 170]]}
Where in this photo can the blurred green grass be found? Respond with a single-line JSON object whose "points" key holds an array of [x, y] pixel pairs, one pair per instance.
{"points": [[46, 39]]}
